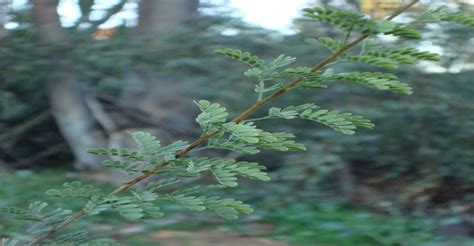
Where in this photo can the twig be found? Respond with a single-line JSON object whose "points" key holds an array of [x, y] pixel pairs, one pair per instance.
{"points": [[24, 126], [237, 120]]}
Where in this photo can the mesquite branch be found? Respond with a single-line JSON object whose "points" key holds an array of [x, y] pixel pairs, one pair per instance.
{"points": [[237, 119]]}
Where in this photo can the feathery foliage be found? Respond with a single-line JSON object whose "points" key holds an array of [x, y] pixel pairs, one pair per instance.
{"points": [[240, 134]]}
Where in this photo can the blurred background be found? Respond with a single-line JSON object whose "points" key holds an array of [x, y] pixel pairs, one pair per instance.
{"points": [[76, 74]]}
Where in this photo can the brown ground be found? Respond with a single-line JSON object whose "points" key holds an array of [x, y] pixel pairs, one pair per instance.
{"points": [[210, 238]]}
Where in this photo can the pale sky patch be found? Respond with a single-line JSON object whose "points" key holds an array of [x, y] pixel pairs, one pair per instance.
{"points": [[270, 14]]}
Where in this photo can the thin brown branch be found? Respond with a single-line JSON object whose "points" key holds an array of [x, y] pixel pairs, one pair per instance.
{"points": [[24, 126], [237, 119]]}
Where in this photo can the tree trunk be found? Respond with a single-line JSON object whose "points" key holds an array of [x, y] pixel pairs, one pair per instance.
{"points": [[159, 96], [160, 16], [66, 98]]}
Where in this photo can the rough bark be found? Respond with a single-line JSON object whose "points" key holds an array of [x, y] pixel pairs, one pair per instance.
{"points": [[66, 98]]}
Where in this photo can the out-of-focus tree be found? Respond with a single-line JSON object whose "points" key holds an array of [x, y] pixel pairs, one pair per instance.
{"points": [[72, 106], [160, 96], [64, 88]]}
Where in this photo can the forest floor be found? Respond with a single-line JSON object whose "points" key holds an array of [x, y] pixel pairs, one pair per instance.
{"points": [[298, 223], [210, 238]]}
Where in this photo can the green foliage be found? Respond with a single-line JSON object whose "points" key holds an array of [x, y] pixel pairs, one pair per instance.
{"points": [[168, 151], [243, 136], [74, 190], [405, 31], [224, 170], [155, 185], [333, 45], [444, 14], [377, 80], [345, 19], [345, 123], [461, 19], [246, 132], [390, 58], [149, 153], [123, 152], [333, 224], [130, 168], [36, 213], [227, 208], [211, 115], [221, 142], [136, 207], [246, 57], [381, 81], [147, 144], [349, 20]]}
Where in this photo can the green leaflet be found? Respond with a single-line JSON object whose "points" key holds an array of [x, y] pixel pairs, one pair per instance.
{"points": [[81, 237], [74, 238], [330, 43], [461, 19], [444, 14], [172, 148], [377, 80], [231, 144], [349, 20], [193, 203], [279, 141], [390, 58], [376, 61], [20, 214], [381, 81], [268, 71], [293, 72], [75, 190], [149, 154], [147, 143], [96, 205], [127, 167], [345, 123], [250, 134], [133, 207], [126, 207], [227, 208], [280, 61], [246, 132], [196, 189], [123, 152], [212, 115], [44, 219], [262, 70], [345, 19], [155, 185], [144, 201], [245, 57], [405, 31], [224, 170]]}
